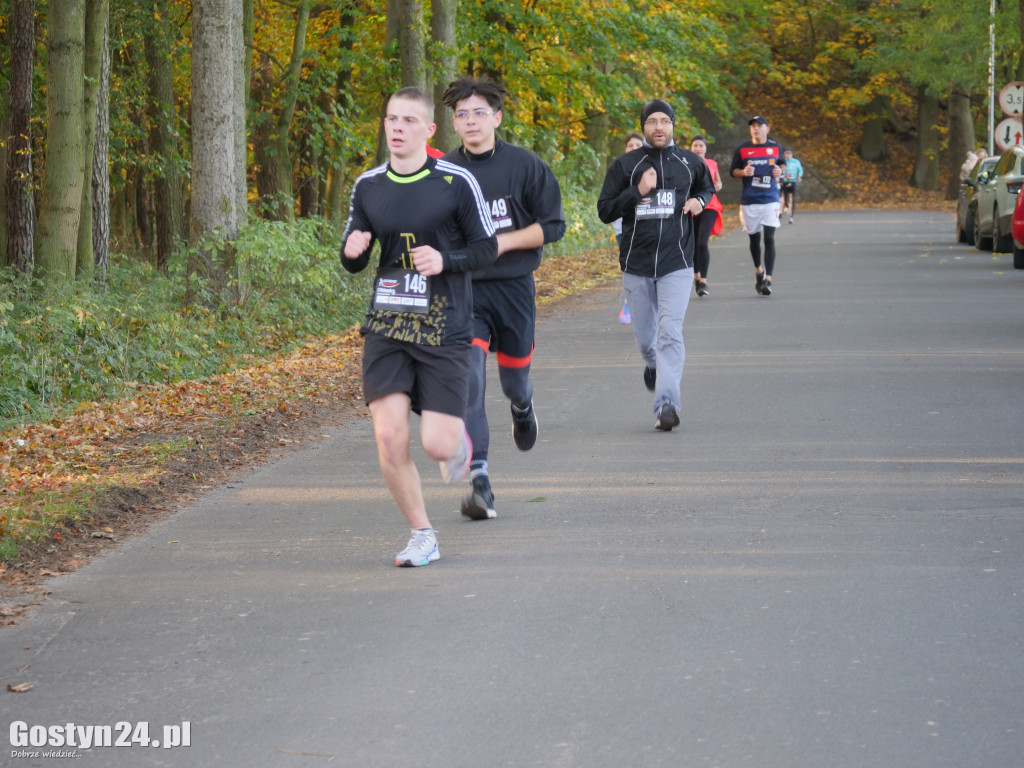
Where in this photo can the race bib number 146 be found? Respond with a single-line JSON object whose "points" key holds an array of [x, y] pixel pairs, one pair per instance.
{"points": [[401, 290]]}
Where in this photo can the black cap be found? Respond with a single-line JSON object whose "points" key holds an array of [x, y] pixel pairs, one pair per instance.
{"points": [[757, 119], [656, 105]]}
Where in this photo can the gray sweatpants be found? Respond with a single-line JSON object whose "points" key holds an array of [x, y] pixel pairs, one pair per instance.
{"points": [[658, 307]]}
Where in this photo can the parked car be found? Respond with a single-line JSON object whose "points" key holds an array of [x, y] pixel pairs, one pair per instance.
{"points": [[967, 202], [996, 199], [1017, 230]]}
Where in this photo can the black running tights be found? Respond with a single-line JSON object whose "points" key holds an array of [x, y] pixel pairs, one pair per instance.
{"points": [[769, 249], [703, 223]]}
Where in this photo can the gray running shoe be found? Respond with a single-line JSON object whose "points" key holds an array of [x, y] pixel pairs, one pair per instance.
{"points": [[421, 549], [524, 427], [667, 418], [479, 505], [650, 377]]}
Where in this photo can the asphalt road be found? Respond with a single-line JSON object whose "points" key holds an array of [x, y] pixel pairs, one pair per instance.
{"points": [[822, 567]]}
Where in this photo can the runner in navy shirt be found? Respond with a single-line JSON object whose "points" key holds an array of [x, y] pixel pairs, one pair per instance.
{"points": [[756, 163]]}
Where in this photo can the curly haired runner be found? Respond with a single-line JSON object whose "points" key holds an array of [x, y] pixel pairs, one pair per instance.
{"points": [[525, 203]]}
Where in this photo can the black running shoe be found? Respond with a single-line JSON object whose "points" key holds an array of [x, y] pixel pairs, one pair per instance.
{"points": [[702, 289], [479, 505], [759, 283], [667, 418], [524, 427], [766, 288], [650, 375]]}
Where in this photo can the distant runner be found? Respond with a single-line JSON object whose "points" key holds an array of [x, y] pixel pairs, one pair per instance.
{"points": [[756, 163]]}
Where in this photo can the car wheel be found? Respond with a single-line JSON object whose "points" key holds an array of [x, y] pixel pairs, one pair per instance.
{"points": [[1018, 257], [1000, 243], [981, 243], [961, 233], [969, 227]]}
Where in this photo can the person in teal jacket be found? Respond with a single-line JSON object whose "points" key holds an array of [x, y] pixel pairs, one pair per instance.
{"points": [[792, 173]]}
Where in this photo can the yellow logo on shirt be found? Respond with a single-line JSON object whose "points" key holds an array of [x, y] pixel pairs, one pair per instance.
{"points": [[449, 179]]}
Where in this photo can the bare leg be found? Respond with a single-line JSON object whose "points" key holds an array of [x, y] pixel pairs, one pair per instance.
{"points": [[391, 427]]}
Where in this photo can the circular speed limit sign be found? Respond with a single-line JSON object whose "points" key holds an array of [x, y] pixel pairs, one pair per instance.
{"points": [[1011, 99]]}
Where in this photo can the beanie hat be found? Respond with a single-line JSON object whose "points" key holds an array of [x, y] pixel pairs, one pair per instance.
{"points": [[656, 105]]}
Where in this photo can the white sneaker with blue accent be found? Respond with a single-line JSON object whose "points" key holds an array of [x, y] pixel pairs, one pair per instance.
{"points": [[421, 549]]}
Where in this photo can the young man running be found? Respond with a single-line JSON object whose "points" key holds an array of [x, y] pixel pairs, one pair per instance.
{"points": [[525, 204], [756, 163], [657, 190], [434, 229]]}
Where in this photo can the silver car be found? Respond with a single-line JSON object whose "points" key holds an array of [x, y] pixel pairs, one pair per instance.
{"points": [[967, 202], [996, 199]]}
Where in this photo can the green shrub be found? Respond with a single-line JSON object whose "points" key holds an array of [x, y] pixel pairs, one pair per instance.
{"points": [[89, 341]]}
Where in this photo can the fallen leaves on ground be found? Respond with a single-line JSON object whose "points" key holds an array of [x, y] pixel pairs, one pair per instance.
{"points": [[119, 460]]}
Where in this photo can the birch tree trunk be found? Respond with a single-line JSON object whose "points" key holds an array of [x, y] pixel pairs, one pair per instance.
{"points": [[61, 202], [20, 210], [101, 165]]}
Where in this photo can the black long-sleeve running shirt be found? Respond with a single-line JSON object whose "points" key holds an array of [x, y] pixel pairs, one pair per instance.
{"points": [[440, 205], [520, 190]]}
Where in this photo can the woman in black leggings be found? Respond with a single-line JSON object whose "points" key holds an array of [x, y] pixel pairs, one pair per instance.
{"points": [[706, 223]]}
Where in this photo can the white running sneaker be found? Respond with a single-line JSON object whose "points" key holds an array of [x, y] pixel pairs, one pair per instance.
{"points": [[421, 549], [457, 467]]}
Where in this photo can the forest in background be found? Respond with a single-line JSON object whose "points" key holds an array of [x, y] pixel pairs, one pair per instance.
{"points": [[175, 177], [176, 173]]}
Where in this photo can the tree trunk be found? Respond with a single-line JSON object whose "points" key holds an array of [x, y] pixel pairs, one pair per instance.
{"points": [[309, 178], [162, 119], [283, 129], [217, 85], [413, 44], [392, 37], [961, 137], [143, 204], [20, 209], [5, 135], [61, 206], [101, 165], [263, 150], [598, 139], [96, 14], [443, 68], [872, 144], [926, 167], [248, 35]]}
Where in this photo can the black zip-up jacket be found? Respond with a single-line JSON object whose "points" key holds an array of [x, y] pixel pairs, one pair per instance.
{"points": [[657, 237]]}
